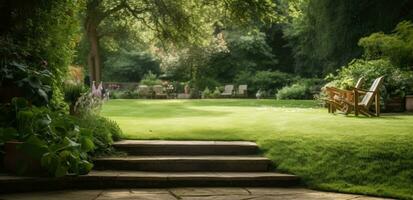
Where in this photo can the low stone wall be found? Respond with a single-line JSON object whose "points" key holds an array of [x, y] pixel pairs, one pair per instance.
{"points": [[120, 85]]}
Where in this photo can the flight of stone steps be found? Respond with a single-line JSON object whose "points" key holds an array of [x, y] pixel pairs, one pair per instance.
{"points": [[157, 163]]}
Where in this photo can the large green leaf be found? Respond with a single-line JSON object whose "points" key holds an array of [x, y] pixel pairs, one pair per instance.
{"points": [[85, 167], [34, 147]]}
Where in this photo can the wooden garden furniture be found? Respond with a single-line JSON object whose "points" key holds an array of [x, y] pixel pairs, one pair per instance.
{"points": [[336, 95], [159, 91], [228, 91], [368, 97], [242, 90], [144, 91]]}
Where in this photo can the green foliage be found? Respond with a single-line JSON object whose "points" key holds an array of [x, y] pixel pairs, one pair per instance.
{"points": [[294, 91], [72, 92], [150, 79], [46, 34], [88, 104], [194, 93], [396, 47], [396, 81], [36, 84], [206, 93], [125, 94], [129, 66], [103, 130], [217, 93], [50, 137], [267, 81], [302, 89], [37, 41], [246, 51], [323, 34], [211, 94]]}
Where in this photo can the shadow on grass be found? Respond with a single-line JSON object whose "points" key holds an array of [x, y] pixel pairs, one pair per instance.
{"points": [[391, 116]]}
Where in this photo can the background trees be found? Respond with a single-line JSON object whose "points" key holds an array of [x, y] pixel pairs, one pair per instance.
{"points": [[323, 34], [177, 21]]}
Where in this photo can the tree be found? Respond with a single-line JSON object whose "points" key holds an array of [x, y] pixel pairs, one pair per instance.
{"points": [[324, 34], [171, 20]]}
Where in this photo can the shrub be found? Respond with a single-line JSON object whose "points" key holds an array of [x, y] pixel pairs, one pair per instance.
{"points": [[204, 82], [50, 137], [397, 47], [268, 81], [150, 79], [194, 93], [125, 94], [104, 132], [88, 104], [294, 91], [216, 93], [302, 89], [72, 92], [131, 94], [206, 93]]}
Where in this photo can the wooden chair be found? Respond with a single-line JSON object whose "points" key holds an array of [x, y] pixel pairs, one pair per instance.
{"points": [[368, 97], [144, 91], [336, 95], [242, 91], [159, 91], [228, 91]]}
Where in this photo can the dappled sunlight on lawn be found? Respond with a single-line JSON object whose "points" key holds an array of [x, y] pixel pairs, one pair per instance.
{"points": [[242, 119]]}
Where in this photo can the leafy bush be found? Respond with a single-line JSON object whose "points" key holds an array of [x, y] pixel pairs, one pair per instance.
{"points": [[396, 81], [206, 93], [52, 138], [204, 82], [88, 104], [268, 81], [217, 93], [302, 89], [103, 130], [125, 94], [194, 93], [150, 79], [294, 91], [36, 84], [129, 65], [397, 47], [72, 92]]}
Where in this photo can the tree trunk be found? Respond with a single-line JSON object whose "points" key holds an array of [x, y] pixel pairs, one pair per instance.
{"points": [[93, 57]]}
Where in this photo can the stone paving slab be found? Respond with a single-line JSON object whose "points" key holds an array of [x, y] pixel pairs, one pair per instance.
{"points": [[189, 194]]}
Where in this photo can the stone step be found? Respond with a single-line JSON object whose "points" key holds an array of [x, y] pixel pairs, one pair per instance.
{"points": [[184, 163], [143, 179], [162, 147]]}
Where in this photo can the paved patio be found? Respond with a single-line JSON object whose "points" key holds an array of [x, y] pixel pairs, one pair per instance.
{"points": [[188, 194]]}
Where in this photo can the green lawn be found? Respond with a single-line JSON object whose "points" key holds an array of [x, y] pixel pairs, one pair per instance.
{"points": [[330, 152]]}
